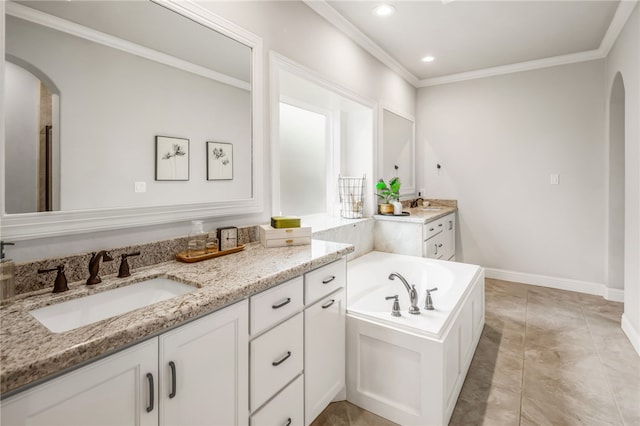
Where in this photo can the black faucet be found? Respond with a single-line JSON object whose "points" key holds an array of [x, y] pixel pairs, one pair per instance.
{"points": [[94, 266], [124, 271], [414, 203], [60, 284]]}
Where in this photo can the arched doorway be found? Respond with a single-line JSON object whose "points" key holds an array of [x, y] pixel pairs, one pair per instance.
{"points": [[616, 183]]}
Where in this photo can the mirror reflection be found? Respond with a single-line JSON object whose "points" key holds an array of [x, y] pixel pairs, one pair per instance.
{"points": [[89, 87], [398, 150]]}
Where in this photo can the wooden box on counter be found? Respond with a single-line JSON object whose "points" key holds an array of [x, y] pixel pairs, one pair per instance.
{"points": [[272, 237]]}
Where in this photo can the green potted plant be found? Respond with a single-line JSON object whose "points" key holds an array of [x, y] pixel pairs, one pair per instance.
{"points": [[388, 194]]}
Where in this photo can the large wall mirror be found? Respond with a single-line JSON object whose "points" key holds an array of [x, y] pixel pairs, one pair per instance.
{"points": [[397, 150], [89, 88]]}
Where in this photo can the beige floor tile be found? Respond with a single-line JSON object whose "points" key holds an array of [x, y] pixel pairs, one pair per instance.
{"points": [[502, 336], [567, 387]]}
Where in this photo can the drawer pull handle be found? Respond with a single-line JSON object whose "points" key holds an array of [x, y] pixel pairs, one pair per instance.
{"points": [[430, 229], [281, 304], [172, 366], [288, 423], [281, 360], [289, 241], [440, 225], [328, 304], [328, 280], [151, 395]]}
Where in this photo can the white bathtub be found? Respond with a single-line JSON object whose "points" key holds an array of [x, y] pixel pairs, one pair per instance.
{"points": [[410, 369]]}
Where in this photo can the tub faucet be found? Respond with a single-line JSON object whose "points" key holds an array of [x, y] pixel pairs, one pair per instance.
{"points": [[94, 266], [411, 289]]}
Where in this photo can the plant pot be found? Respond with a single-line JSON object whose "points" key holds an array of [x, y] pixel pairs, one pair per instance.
{"points": [[386, 208]]}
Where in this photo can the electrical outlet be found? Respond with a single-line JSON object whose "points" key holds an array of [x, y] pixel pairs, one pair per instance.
{"points": [[421, 192], [140, 186], [554, 179]]}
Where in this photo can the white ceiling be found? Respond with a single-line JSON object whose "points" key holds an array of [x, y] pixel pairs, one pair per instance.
{"points": [[466, 36]]}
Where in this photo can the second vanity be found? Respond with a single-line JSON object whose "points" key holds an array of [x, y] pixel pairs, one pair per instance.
{"points": [[426, 232], [264, 328]]}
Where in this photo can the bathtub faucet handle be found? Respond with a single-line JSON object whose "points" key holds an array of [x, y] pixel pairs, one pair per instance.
{"points": [[395, 311], [428, 303]]}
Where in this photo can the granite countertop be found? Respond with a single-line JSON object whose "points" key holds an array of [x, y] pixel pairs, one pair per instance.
{"points": [[30, 352], [419, 214]]}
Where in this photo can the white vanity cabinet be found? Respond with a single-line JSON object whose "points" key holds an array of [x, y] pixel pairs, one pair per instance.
{"points": [[413, 237], [118, 390], [277, 358], [324, 340], [440, 238], [135, 386]]}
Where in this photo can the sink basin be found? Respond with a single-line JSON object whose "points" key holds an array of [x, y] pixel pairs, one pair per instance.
{"points": [[431, 209], [75, 313]]}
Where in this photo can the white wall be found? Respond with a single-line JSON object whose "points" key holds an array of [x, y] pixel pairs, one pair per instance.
{"points": [[625, 58], [498, 139], [22, 106], [294, 30]]}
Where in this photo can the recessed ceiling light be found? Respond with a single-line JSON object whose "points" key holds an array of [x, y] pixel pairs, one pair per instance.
{"points": [[428, 59], [384, 10]]}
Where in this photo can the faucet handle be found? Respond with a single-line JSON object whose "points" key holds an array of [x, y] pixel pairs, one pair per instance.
{"points": [[428, 303], [395, 311], [60, 284], [124, 271]]}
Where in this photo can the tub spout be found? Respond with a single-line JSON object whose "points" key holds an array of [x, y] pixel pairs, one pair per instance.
{"points": [[411, 289]]}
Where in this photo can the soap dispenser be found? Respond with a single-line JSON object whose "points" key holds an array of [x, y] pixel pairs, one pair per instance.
{"points": [[197, 239], [7, 275]]}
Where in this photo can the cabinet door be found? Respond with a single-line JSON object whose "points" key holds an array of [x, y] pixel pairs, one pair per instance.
{"points": [[112, 391], [324, 353], [204, 370]]}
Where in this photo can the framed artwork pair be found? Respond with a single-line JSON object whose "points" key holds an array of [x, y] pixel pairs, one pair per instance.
{"points": [[172, 159]]}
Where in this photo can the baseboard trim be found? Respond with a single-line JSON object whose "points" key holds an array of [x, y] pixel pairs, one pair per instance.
{"points": [[631, 332], [598, 289]]}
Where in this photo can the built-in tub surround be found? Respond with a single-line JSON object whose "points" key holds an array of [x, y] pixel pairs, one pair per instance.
{"points": [[30, 352], [426, 357]]}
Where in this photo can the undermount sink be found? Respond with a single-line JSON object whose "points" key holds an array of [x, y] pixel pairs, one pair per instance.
{"points": [[86, 310], [431, 209]]}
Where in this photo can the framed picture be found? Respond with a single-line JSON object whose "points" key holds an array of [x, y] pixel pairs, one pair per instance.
{"points": [[172, 158], [219, 161]]}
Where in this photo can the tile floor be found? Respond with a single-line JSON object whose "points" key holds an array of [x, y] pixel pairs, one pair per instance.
{"points": [[545, 357]]}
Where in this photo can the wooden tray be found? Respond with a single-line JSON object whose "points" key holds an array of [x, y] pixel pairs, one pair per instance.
{"points": [[183, 257]]}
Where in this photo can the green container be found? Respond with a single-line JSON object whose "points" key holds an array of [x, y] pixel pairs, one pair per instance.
{"points": [[279, 222]]}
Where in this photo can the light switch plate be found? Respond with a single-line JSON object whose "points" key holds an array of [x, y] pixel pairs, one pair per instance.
{"points": [[140, 187], [554, 179]]}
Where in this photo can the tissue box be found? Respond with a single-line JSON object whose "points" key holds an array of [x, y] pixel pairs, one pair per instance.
{"points": [[280, 237]]}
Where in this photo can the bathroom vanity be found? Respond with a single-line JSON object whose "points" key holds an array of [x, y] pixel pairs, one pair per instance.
{"points": [[426, 232], [263, 328]]}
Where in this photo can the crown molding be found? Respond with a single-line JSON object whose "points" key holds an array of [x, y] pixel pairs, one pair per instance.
{"points": [[323, 9], [571, 58], [623, 12], [63, 25]]}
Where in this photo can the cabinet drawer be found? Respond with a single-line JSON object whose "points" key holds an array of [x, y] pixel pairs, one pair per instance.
{"points": [[274, 305], [276, 358], [434, 247], [284, 409], [433, 228], [324, 280]]}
